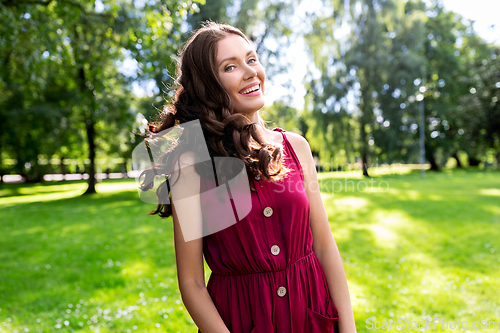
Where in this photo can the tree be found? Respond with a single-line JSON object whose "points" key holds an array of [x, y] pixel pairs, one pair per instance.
{"points": [[279, 114], [394, 51], [480, 107], [88, 39], [396, 122], [446, 79], [354, 68]]}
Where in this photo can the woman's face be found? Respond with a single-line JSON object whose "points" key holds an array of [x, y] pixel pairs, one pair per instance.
{"points": [[241, 73]]}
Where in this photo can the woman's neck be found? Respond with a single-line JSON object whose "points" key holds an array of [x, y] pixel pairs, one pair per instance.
{"points": [[268, 135], [254, 117]]}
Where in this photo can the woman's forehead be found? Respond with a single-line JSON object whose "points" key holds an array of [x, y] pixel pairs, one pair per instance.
{"points": [[232, 45]]}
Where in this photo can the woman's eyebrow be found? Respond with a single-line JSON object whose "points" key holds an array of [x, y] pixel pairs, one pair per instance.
{"points": [[234, 58]]}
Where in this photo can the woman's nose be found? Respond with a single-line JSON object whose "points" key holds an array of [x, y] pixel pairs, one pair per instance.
{"points": [[250, 72]]}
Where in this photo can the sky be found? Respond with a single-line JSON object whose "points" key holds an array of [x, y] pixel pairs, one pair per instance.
{"points": [[484, 13]]}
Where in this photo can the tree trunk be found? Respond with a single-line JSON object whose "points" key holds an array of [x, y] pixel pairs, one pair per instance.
{"points": [[90, 129], [349, 146], [62, 167], [1, 164], [88, 96], [429, 155], [362, 124], [473, 161], [91, 142], [455, 156], [124, 168], [364, 160], [37, 173], [432, 160]]}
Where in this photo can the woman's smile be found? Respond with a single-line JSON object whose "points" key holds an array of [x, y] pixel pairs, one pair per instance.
{"points": [[253, 90]]}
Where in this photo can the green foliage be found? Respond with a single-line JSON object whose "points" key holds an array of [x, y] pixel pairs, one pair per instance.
{"points": [[267, 23], [65, 96], [388, 51], [212, 11], [480, 106], [281, 115], [154, 38]]}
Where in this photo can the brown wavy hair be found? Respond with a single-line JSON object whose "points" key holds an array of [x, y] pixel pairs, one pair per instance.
{"points": [[201, 96]]}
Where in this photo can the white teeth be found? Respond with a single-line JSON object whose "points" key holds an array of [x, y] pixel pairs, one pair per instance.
{"points": [[249, 90]]}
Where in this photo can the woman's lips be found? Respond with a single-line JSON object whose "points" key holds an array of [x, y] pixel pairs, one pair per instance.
{"points": [[254, 91]]}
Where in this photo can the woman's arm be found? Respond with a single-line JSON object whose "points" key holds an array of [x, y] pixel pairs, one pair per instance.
{"points": [[189, 255], [324, 245]]}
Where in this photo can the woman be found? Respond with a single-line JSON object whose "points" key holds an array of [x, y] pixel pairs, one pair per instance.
{"points": [[278, 268]]}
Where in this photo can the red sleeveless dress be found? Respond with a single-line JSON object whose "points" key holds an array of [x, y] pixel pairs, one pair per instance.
{"points": [[265, 277]]}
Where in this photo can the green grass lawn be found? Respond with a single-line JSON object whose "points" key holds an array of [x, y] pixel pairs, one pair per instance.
{"points": [[413, 249]]}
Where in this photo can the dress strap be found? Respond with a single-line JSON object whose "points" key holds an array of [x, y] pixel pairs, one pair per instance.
{"points": [[282, 131], [290, 149]]}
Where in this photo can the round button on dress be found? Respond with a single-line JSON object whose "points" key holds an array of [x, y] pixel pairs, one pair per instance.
{"points": [[248, 284], [275, 250], [268, 212], [281, 291]]}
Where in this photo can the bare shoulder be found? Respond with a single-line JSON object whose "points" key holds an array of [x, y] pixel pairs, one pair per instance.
{"points": [[184, 177], [185, 161], [299, 144], [187, 158]]}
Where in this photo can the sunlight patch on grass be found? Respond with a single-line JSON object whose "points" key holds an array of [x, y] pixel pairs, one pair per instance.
{"points": [[349, 172], [138, 268], [340, 174], [493, 209], [357, 293], [384, 237], [393, 169], [144, 229], [75, 229], [390, 218], [490, 191], [75, 191], [29, 189], [353, 202], [340, 233], [116, 187], [326, 196], [434, 197], [27, 193], [405, 194]]}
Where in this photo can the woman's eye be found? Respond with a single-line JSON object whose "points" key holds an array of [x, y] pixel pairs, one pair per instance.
{"points": [[252, 60], [229, 68]]}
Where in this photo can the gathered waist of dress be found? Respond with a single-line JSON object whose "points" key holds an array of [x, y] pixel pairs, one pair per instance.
{"points": [[266, 272]]}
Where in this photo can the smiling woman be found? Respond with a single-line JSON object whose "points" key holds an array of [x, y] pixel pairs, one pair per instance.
{"points": [[277, 268]]}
